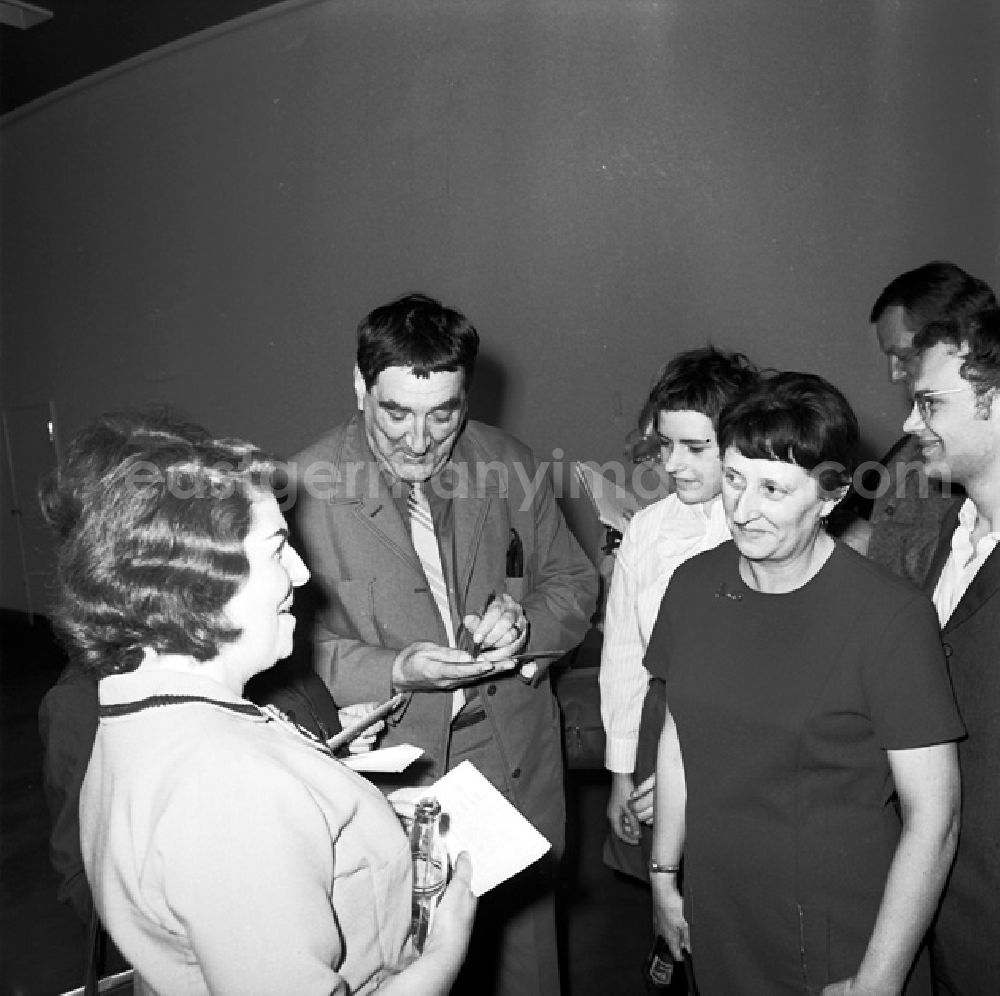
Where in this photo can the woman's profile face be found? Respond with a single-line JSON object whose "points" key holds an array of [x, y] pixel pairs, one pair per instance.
{"points": [[773, 508], [262, 607], [690, 455]]}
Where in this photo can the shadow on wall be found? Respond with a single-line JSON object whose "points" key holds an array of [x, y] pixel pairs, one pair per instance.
{"points": [[486, 404], [488, 390]]}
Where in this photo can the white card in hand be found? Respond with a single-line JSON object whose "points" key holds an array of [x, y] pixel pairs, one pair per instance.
{"points": [[385, 760]]}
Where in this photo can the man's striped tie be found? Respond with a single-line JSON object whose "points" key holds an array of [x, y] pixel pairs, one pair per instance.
{"points": [[426, 546]]}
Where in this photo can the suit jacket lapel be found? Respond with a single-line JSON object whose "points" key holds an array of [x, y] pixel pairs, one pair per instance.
{"points": [[948, 526], [984, 586], [470, 506], [375, 508]]}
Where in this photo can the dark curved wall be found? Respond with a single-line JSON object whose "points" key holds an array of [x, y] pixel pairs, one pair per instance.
{"points": [[596, 184]]}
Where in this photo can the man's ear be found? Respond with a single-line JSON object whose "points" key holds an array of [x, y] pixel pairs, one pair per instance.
{"points": [[359, 388]]}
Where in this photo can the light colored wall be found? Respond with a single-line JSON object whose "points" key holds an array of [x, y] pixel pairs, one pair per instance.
{"points": [[597, 185]]}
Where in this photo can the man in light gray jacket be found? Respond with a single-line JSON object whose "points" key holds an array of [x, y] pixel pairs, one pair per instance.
{"points": [[506, 578]]}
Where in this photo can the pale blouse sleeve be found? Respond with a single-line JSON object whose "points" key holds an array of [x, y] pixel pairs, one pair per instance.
{"points": [[623, 679]]}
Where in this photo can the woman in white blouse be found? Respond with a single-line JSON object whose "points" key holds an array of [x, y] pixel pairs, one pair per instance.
{"points": [[682, 413]]}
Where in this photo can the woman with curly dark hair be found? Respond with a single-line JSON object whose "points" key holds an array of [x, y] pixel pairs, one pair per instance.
{"points": [[227, 851]]}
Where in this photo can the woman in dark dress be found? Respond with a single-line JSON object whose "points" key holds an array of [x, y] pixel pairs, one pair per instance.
{"points": [[807, 766]]}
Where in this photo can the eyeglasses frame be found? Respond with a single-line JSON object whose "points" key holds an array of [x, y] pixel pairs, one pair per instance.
{"points": [[920, 399]]}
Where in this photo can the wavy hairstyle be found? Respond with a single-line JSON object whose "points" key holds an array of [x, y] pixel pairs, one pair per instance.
{"points": [[150, 514], [798, 418]]}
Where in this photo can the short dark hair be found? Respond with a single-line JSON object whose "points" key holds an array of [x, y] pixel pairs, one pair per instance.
{"points": [[150, 515], [700, 380], [933, 292], [979, 335], [419, 332], [795, 418]]}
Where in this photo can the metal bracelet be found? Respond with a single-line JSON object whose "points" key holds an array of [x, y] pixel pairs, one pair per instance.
{"points": [[657, 869]]}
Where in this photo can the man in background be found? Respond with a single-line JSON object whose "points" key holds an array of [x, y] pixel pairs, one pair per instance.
{"points": [[894, 514], [955, 424], [440, 555]]}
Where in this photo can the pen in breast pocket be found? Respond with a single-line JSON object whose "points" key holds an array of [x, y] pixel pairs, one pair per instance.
{"points": [[515, 556]]}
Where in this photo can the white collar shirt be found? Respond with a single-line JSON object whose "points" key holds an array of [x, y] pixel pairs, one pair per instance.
{"points": [[963, 563]]}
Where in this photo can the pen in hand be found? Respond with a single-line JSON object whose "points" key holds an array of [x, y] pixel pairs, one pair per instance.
{"points": [[465, 639], [525, 663]]}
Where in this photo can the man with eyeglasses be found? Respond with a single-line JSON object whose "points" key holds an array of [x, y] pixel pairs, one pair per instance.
{"points": [[955, 421], [893, 514]]}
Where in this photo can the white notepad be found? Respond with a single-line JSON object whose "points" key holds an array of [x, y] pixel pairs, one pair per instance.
{"points": [[500, 841]]}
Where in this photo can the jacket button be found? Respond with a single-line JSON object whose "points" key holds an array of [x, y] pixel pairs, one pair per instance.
{"points": [[516, 773], [948, 651], [491, 689]]}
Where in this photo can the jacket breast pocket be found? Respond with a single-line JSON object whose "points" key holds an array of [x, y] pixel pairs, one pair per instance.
{"points": [[350, 611]]}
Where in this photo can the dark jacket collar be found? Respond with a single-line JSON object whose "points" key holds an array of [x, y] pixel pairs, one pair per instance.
{"points": [[984, 585]]}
